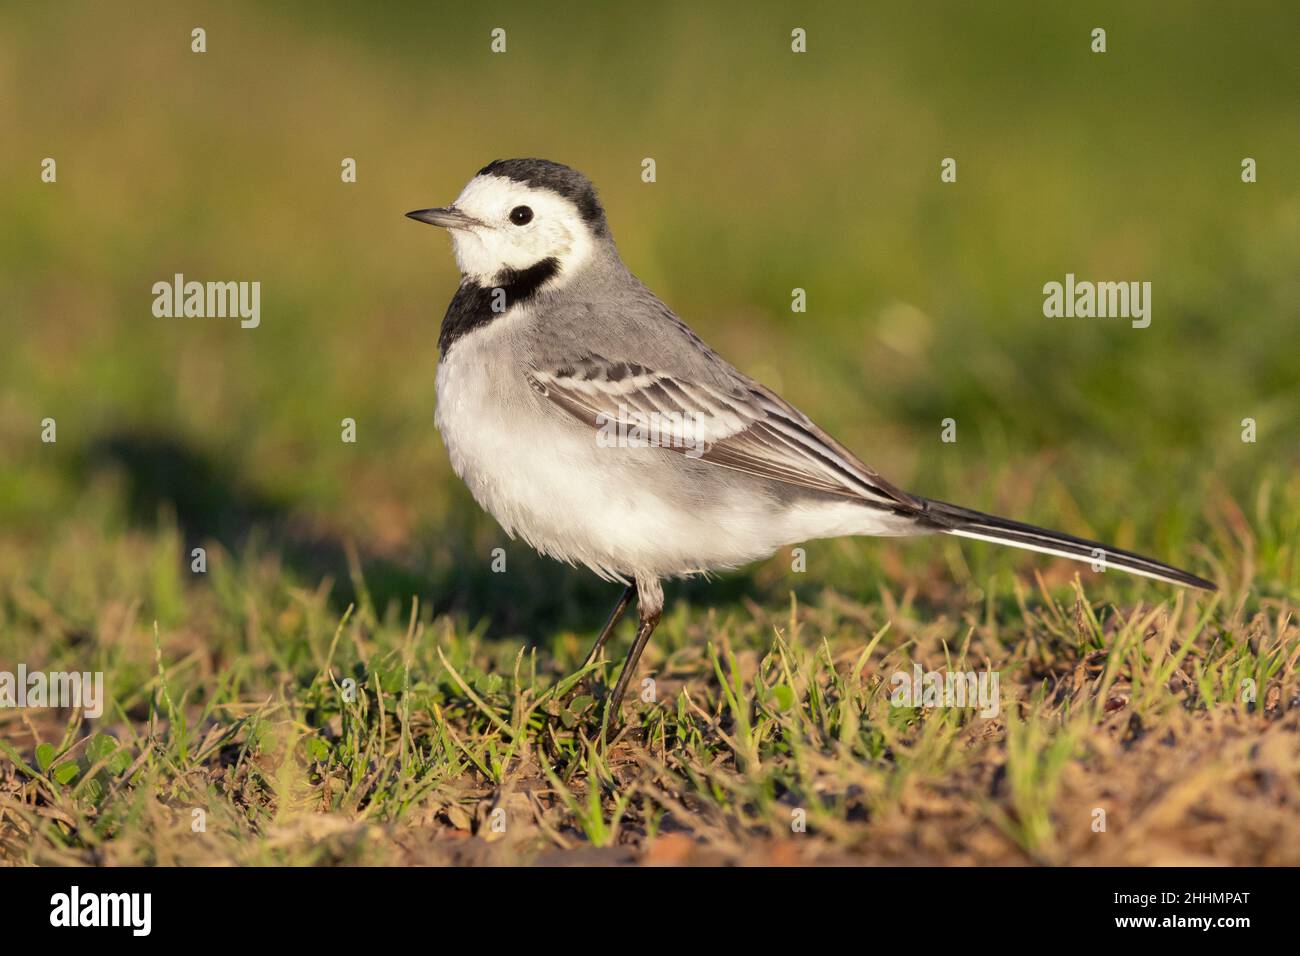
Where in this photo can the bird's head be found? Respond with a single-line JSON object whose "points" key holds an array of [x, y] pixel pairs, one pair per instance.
{"points": [[516, 213]]}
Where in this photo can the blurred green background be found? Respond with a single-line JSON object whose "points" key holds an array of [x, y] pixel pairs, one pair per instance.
{"points": [[775, 171]]}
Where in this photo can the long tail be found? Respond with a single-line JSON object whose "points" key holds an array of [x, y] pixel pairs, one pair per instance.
{"points": [[953, 519]]}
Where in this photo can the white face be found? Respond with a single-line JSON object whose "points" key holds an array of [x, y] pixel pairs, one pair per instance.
{"points": [[555, 230]]}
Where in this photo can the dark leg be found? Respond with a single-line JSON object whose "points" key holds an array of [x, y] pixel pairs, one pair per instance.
{"points": [[650, 604], [615, 616], [629, 668]]}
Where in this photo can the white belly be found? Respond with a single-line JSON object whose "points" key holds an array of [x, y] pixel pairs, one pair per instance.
{"points": [[619, 511]]}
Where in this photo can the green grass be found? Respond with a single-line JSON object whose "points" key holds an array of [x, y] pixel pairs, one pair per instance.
{"points": [[305, 736], [349, 681]]}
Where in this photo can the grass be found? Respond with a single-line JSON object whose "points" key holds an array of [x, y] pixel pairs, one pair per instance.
{"points": [[349, 680], [297, 735]]}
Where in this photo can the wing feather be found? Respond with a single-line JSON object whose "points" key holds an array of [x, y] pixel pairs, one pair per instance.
{"points": [[747, 427]]}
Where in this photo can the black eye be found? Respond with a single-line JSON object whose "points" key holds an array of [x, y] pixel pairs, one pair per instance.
{"points": [[521, 215]]}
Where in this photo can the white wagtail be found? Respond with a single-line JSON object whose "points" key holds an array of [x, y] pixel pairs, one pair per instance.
{"points": [[591, 421]]}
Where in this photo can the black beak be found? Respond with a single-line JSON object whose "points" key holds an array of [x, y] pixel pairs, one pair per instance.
{"points": [[449, 217]]}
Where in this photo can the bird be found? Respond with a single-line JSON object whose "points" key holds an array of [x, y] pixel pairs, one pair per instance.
{"points": [[593, 423]]}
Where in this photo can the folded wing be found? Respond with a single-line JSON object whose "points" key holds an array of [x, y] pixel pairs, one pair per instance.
{"points": [[745, 427]]}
